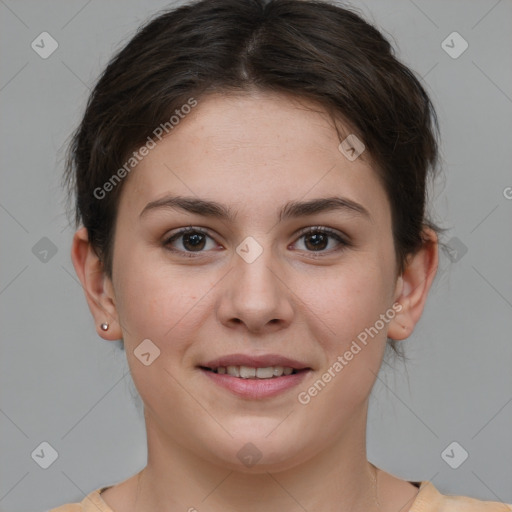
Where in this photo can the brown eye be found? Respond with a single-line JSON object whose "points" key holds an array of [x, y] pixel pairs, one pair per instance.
{"points": [[188, 240], [318, 239], [194, 241]]}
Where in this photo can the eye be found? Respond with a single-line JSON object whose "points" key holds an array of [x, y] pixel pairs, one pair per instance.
{"points": [[190, 239], [317, 238]]}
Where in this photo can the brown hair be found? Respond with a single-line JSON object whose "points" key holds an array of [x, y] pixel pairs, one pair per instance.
{"points": [[310, 49]]}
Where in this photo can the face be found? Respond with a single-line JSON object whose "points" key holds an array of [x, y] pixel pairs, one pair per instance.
{"points": [[269, 284]]}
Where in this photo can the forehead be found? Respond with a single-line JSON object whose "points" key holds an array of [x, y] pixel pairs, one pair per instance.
{"points": [[254, 150]]}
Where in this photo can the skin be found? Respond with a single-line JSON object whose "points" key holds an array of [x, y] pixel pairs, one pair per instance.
{"points": [[253, 153]]}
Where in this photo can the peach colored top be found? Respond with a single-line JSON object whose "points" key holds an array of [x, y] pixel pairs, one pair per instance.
{"points": [[429, 499]]}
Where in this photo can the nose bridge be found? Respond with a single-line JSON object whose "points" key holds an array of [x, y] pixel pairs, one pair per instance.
{"points": [[255, 294], [255, 266]]}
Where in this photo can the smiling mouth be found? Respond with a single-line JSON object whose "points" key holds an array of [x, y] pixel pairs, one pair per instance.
{"points": [[248, 372]]}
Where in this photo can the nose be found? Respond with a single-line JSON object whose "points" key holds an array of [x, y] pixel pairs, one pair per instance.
{"points": [[255, 296]]}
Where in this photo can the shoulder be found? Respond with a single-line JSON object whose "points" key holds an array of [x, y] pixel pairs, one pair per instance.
{"points": [[68, 507], [429, 499], [93, 502]]}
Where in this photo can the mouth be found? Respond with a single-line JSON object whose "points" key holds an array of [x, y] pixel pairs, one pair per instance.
{"points": [[248, 372], [255, 377]]}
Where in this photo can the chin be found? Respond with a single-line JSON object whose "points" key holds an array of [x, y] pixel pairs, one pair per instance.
{"points": [[264, 449]]}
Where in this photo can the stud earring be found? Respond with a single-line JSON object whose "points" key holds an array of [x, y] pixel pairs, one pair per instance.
{"points": [[104, 326]]}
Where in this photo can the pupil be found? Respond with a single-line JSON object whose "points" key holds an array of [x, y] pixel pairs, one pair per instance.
{"points": [[195, 240], [319, 240]]}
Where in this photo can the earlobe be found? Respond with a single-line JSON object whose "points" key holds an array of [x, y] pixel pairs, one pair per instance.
{"points": [[96, 285], [413, 286]]}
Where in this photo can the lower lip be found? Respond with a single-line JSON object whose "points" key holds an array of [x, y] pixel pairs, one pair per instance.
{"points": [[256, 388]]}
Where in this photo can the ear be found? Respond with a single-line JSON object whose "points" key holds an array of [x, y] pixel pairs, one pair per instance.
{"points": [[98, 288], [413, 285]]}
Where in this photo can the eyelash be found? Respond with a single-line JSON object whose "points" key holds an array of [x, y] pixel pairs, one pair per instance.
{"points": [[306, 231]]}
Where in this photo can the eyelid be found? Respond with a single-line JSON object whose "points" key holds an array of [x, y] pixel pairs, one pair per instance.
{"points": [[322, 229]]}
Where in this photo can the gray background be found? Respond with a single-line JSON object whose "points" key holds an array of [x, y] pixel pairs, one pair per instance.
{"points": [[62, 384]]}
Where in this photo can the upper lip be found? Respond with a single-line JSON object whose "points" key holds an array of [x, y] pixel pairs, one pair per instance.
{"points": [[261, 361]]}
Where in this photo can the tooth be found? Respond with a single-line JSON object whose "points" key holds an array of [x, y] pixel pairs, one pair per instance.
{"points": [[278, 371], [233, 370], [265, 373], [246, 372]]}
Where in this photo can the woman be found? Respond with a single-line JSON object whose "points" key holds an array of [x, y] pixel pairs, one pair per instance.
{"points": [[250, 182]]}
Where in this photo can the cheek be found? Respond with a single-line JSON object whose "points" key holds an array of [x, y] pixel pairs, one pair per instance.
{"points": [[348, 307], [160, 301], [346, 299], [161, 305]]}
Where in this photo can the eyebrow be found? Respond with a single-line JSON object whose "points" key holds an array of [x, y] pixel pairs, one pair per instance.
{"points": [[291, 209]]}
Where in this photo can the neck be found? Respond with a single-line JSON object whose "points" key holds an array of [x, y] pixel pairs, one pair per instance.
{"points": [[337, 478]]}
